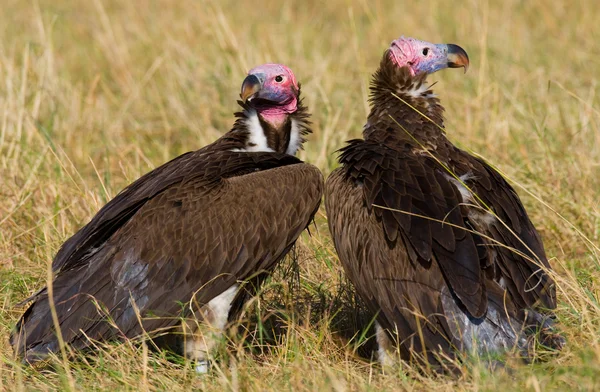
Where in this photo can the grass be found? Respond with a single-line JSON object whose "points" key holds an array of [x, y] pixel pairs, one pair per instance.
{"points": [[94, 94]]}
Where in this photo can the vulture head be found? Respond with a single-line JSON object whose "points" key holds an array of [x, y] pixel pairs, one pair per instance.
{"points": [[272, 90], [424, 57]]}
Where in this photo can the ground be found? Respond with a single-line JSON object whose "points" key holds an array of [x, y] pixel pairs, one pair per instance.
{"points": [[93, 94]]}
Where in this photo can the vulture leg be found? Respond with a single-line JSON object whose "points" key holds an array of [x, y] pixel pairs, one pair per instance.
{"points": [[204, 336], [385, 348]]}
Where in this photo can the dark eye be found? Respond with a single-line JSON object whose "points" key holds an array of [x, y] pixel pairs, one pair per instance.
{"points": [[279, 78], [425, 51]]}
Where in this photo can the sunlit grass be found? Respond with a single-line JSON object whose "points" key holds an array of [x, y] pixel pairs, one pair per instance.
{"points": [[94, 94]]}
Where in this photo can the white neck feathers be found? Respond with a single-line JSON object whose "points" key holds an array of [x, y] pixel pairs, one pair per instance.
{"points": [[257, 140], [417, 91], [295, 139]]}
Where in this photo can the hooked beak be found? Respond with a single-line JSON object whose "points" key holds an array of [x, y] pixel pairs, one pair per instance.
{"points": [[250, 87], [457, 57]]}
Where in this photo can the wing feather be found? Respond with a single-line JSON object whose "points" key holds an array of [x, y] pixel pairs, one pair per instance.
{"points": [[427, 218], [522, 259], [207, 163]]}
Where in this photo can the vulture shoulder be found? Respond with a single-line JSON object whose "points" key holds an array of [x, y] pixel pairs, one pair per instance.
{"points": [[205, 165], [417, 213]]}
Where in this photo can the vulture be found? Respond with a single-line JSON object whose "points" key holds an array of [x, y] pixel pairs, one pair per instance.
{"points": [[186, 244], [434, 240]]}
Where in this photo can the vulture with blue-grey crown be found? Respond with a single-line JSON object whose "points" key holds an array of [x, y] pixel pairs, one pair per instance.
{"points": [[189, 241], [435, 240]]}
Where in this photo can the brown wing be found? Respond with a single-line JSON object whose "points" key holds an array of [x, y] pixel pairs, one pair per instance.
{"points": [[521, 263], [412, 301], [188, 238], [405, 296], [419, 214], [209, 164]]}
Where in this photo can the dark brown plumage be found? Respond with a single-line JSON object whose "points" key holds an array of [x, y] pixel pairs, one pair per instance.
{"points": [[426, 255], [185, 232]]}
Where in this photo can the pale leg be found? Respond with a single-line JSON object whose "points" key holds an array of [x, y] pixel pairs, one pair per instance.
{"points": [[385, 347], [209, 331]]}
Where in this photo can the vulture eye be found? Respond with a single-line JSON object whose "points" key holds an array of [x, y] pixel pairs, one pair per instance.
{"points": [[425, 51], [279, 78]]}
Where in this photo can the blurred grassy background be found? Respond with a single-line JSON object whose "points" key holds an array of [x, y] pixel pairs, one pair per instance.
{"points": [[93, 94]]}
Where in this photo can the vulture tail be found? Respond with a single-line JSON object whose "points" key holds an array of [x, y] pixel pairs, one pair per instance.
{"points": [[34, 337], [502, 328]]}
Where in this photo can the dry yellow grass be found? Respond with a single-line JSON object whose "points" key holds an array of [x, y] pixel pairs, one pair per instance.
{"points": [[93, 94]]}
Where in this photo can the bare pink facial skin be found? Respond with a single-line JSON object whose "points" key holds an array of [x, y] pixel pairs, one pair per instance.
{"points": [[425, 57], [277, 96]]}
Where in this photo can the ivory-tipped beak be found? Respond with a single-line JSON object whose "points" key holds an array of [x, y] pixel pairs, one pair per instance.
{"points": [[251, 86], [457, 57]]}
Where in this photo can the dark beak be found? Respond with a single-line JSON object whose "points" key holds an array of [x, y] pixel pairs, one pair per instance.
{"points": [[457, 57], [251, 86]]}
